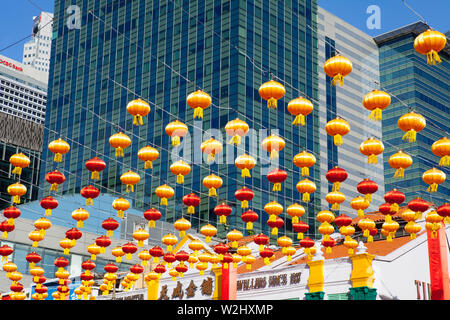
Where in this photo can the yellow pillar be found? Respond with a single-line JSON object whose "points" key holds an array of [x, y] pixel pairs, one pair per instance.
{"points": [[153, 290], [362, 274], [316, 278], [217, 294]]}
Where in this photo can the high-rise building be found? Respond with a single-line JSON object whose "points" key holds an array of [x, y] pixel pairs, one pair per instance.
{"points": [[339, 37], [162, 51], [23, 90], [416, 86], [36, 51]]}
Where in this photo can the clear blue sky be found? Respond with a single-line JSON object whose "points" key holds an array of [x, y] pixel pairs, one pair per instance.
{"points": [[16, 17]]}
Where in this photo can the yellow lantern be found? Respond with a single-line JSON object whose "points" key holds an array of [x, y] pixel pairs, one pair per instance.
{"points": [[400, 161], [169, 240], [140, 235], [176, 130], [212, 183], [80, 215], [337, 128], [164, 192], [121, 205], [391, 228], [290, 251], [236, 129], [284, 242], [119, 141], [338, 67], [296, 211], [19, 161], [366, 225], [411, 123], [351, 244], [245, 162], [118, 253], [249, 260], [138, 108], [359, 204], [441, 148], [273, 144], [42, 224], [148, 154], [326, 230], [433, 177], [300, 108], [335, 198], [413, 228], [201, 267], [208, 231], [129, 179], [66, 244], [306, 187], [304, 160], [429, 43], [234, 236], [145, 256], [35, 236], [271, 91], [371, 148], [94, 250], [433, 222], [211, 147], [182, 225], [376, 101], [58, 147], [325, 216], [16, 190], [196, 245], [198, 101], [180, 168], [273, 209]]}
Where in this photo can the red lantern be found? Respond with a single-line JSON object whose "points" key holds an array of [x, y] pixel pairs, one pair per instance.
{"points": [[261, 240], [152, 215], [367, 187], [103, 242], [336, 176], [95, 165], [5, 251], [191, 200], [328, 244], [301, 228], [223, 211], [307, 243], [11, 213], [386, 209], [419, 206], [88, 265], [182, 256], [181, 268], [444, 212], [61, 262], [275, 224], [16, 287], [277, 176], [160, 269], [33, 258], [156, 252], [111, 268], [266, 253], [137, 269], [5, 228], [245, 195], [249, 217], [86, 276], [49, 203], [129, 248], [110, 225], [220, 249], [394, 198], [343, 220], [169, 258], [227, 258], [74, 234], [89, 192], [55, 178]]}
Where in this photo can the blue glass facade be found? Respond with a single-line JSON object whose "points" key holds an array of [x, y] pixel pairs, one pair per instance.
{"points": [[161, 51], [425, 89]]}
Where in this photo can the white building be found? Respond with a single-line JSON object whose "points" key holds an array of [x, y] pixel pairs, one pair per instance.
{"points": [[336, 35], [23, 90], [36, 52]]}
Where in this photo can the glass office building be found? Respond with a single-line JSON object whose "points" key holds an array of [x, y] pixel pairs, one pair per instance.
{"points": [[161, 51], [420, 87]]}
